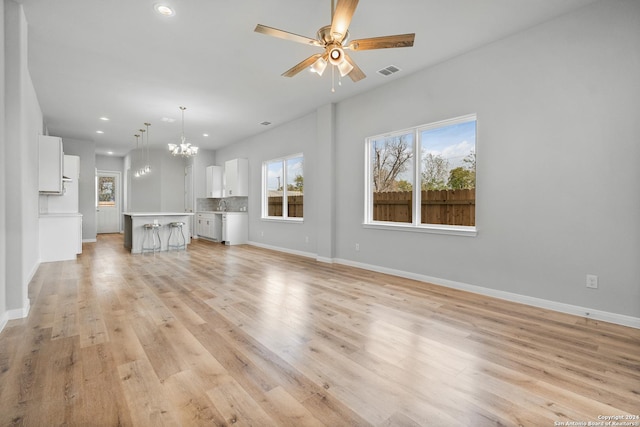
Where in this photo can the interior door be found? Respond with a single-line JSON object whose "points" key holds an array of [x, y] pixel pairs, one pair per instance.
{"points": [[109, 198]]}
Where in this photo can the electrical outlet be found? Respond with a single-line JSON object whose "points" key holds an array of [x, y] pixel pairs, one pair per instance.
{"points": [[592, 281], [357, 247], [262, 234], [306, 239]]}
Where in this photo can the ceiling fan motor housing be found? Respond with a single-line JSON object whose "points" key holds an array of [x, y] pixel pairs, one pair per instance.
{"points": [[324, 36]]}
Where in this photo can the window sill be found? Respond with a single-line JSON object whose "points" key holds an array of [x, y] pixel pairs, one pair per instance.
{"points": [[279, 219], [453, 230]]}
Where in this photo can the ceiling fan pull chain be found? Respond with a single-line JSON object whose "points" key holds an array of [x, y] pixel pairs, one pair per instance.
{"points": [[333, 78]]}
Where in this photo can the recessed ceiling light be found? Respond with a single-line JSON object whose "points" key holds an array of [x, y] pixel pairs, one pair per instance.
{"points": [[164, 10], [106, 119], [265, 123], [99, 131], [205, 134], [109, 152]]}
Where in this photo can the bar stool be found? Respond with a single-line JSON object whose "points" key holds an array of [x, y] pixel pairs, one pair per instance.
{"points": [[152, 233], [180, 242]]}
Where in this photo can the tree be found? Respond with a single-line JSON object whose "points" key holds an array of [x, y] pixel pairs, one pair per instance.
{"points": [[434, 172], [470, 161], [298, 184], [404, 185], [461, 178], [390, 160]]}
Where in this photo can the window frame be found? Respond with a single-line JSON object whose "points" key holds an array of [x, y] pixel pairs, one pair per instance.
{"points": [[415, 225], [265, 190]]}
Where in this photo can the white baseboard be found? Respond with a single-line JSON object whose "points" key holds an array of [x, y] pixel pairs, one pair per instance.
{"points": [[285, 250], [605, 316], [3, 320], [586, 312], [89, 240], [18, 313]]}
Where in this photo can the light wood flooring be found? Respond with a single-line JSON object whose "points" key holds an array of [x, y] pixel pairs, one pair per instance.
{"points": [[244, 336]]}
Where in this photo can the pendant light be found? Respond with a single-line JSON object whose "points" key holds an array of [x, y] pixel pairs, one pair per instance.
{"points": [[133, 158], [184, 149], [141, 171], [147, 166]]}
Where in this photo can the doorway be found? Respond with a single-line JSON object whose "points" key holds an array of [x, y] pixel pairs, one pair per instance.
{"points": [[109, 195]]}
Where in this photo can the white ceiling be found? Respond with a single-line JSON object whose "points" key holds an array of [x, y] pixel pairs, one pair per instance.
{"points": [[122, 60]]}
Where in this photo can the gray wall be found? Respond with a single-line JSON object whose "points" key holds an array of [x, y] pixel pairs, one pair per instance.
{"points": [[109, 163], [200, 162], [86, 150], [558, 152], [160, 191], [23, 122], [3, 189], [298, 136], [558, 176]]}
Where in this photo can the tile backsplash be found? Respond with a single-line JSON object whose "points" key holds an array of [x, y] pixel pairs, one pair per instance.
{"points": [[234, 204]]}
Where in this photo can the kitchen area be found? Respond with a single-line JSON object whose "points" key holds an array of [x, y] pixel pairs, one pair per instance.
{"points": [[219, 211], [60, 222], [222, 215]]}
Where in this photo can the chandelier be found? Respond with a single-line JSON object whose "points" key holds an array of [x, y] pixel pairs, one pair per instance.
{"points": [[184, 149]]}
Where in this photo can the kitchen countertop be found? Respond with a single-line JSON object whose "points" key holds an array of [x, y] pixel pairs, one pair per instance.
{"points": [[158, 213], [222, 212], [60, 215]]}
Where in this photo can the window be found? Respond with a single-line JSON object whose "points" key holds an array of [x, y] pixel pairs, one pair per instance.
{"points": [[106, 191], [283, 188], [423, 178]]}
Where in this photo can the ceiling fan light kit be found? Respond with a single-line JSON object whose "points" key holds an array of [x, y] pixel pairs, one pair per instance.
{"points": [[319, 66], [332, 38]]}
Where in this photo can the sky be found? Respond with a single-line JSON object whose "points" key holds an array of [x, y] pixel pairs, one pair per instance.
{"points": [[274, 170], [453, 142]]}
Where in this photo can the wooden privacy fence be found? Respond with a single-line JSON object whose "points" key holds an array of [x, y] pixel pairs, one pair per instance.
{"points": [[294, 206], [451, 207]]}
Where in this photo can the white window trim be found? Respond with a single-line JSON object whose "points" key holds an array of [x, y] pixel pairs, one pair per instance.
{"points": [[415, 225], [265, 209]]}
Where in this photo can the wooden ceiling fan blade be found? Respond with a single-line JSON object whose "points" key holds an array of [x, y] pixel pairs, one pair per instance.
{"points": [[356, 74], [342, 18], [399, 40], [274, 32], [301, 65]]}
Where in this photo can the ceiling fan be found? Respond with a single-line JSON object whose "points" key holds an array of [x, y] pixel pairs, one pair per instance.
{"points": [[333, 39]]}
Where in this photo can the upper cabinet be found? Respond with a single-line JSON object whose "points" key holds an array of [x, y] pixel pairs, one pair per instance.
{"points": [[50, 164], [214, 181], [236, 178]]}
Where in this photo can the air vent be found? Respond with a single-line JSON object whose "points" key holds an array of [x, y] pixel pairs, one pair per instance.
{"points": [[391, 69], [265, 123]]}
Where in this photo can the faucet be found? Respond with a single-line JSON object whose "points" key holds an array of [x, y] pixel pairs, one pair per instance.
{"points": [[222, 205]]}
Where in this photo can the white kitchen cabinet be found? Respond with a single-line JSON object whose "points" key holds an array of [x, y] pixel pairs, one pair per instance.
{"points": [[206, 226], [60, 236], [236, 178], [50, 164], [214, 181], [235, 228]]}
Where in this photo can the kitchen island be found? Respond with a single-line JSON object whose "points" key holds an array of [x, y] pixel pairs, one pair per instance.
{"points": [[134, 227]]}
